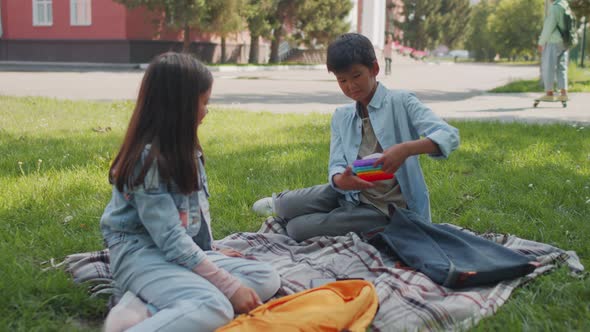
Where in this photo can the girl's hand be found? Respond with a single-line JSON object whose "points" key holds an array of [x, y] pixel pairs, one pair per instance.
{"points": [[244, 300], [349, 181], [392, 158], [230, 252]]}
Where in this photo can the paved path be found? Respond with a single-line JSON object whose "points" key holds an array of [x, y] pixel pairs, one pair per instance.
{"points": [[454, 91]]}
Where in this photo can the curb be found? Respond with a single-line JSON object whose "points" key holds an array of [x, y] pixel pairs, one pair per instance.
{"points": [[65, 66], [92, 66], [247, 68]]}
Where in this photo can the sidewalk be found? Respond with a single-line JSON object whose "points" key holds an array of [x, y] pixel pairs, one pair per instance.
{"points": [[454, 91], [508, 107]]}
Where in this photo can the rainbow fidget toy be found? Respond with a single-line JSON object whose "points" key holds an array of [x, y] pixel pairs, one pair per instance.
{"points": [[364, 169]]}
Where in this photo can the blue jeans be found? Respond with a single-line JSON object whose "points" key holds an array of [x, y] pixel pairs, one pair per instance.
{"points": [[554, 63], [184, 300]]}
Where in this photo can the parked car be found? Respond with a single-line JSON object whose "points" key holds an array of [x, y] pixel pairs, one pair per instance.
{"points": [[459, 54]]}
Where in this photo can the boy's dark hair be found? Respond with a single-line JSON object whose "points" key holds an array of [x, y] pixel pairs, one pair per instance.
{"points": [[165, 116], [350, 49]]}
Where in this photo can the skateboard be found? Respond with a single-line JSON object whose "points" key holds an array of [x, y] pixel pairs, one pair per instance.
{"points": [[538, 100]]}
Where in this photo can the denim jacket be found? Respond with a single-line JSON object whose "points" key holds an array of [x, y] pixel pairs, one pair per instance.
{"points": [[554, 18], [157, 212], [396, 116]]}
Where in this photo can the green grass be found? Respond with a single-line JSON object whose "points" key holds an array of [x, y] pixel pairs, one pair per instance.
{"points": [[508, 62], [529, 180], [578, 81]]}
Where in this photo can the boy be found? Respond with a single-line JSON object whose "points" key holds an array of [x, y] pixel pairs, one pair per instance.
{"points": [[380, 121]]}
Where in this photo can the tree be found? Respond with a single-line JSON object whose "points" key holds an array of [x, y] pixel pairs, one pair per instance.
{"points": [[225, 17], [320, 21], [258, 14], [478, 40], [454, 19], [515, 27], [422, 23], [581, 8], [283, 12], [395, 19], [182, 14]]}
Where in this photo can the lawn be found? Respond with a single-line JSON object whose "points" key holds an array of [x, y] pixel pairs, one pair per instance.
{"points": [[578, 81], [529, 180]]}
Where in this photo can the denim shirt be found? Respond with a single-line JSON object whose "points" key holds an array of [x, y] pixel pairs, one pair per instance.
{"points": [[157, 212], [396, 116]]}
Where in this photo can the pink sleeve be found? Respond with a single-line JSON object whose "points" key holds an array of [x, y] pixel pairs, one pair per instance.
{"points": [[224, 281]]}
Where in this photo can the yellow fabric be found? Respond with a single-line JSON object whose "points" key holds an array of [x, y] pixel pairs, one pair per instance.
{"points": [[341, 305]]}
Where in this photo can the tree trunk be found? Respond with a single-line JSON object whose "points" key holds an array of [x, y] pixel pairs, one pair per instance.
{"points": [[254, 50], [186, 43], [223, 50], [274, 45]]}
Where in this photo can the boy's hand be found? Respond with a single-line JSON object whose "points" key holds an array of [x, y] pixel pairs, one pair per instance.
{"points": [[349, 181], [244, 300], [392, 158]]}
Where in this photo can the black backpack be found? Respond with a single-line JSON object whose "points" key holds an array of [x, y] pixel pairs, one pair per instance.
{"points": [[569, 33]]}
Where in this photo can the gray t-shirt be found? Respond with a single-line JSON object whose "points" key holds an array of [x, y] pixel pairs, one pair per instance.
{"points": [[385, 191]]}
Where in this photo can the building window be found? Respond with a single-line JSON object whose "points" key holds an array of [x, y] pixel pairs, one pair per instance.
{"points": [[42, 12], [80, 12]]}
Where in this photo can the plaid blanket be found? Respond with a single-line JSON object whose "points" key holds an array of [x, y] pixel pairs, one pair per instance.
{"points": [[408, 300]]}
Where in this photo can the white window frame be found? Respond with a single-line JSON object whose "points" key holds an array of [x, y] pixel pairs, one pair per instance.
{"points": [[80, 12], [47, 10]]}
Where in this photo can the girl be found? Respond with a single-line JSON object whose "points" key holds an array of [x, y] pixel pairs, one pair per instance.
{"points": [[156, 225], [388, 53]]}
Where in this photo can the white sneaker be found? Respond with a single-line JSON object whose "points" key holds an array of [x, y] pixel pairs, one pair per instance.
{"points": [[129, 312], [265, 207]]}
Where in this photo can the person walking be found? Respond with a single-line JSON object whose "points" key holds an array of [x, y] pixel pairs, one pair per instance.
{"points": [[388, 54]]}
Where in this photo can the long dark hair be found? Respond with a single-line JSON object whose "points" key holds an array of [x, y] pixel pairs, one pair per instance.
{"points": [[165, 116]]}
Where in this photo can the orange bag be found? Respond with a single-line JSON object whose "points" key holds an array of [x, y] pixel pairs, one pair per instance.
{"points": [[348, 305]]}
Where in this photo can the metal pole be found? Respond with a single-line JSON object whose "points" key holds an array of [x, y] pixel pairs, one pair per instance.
{"points": [[1, 31], [584, 43]]}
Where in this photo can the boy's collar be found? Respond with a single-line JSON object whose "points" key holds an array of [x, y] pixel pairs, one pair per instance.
{"points": [[378, 97], [377, 100]]}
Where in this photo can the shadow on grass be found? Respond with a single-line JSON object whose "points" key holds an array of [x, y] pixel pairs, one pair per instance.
{"points": [[535, 85], [333, 98], [483, 186], [486, 184], [290, 97], [67, 152], [530, 186], [498, 110]]}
